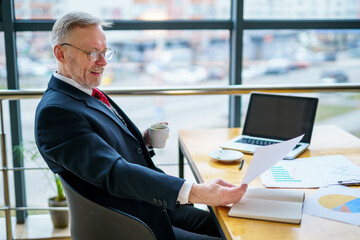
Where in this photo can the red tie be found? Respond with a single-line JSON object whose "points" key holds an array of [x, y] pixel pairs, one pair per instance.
{"points": [[99, 95]]}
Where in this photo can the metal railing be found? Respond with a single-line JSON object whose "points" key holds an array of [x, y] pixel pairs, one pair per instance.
{"points": [[204, 90], [169, 91]]}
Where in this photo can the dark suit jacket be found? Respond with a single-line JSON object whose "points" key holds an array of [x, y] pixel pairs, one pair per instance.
{"points": [[86, 143]]}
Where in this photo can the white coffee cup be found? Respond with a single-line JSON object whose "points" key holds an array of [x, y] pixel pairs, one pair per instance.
{"points": [[159, 133]]}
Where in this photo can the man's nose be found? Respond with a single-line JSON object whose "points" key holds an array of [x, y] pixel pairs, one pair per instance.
{"points": [[101, 60]]}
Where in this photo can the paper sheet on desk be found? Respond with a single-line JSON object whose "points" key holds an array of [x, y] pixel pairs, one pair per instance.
{"points": [[311, 172], [266, 156], [337, 203]]}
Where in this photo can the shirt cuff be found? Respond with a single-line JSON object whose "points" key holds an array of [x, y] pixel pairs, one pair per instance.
{"points": [[183, 197], [151, 151]]}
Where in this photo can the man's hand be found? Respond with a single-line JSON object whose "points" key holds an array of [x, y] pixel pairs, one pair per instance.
{"points": [[146, 135], [216, 193]]}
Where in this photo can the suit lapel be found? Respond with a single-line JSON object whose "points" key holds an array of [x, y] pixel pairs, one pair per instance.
{"points": [[107, 111], [91, 102], [130, 125]]}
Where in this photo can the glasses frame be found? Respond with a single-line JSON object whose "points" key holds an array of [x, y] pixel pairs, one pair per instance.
{"points": [[93, 56]]}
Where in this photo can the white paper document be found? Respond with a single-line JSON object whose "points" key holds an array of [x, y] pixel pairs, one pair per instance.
{"points": [[337, 203], [311, 172], [266, 156]]}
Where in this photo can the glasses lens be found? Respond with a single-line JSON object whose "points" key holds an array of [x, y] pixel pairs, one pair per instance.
{"points": [[109, 54], [94, 56]]}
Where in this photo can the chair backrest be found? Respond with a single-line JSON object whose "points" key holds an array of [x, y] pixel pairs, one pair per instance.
{"points": [[91, 221]]}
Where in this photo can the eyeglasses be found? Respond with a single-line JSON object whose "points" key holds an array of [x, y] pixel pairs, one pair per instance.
{"points": [[93, 56]]}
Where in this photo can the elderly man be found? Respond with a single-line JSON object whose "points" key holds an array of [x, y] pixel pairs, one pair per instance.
{"points": [[86, 138]]}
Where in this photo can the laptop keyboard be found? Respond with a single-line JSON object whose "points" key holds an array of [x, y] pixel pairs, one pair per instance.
{"points": [[259, 142]]}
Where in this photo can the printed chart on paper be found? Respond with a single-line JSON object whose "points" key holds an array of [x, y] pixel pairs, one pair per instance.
{"points": [[310, 172]]}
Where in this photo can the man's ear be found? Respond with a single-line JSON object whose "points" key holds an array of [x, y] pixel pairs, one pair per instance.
{"points": [[59, 53]]}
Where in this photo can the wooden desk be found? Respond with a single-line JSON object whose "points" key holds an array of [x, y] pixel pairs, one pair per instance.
{"points": [[195, 145]]}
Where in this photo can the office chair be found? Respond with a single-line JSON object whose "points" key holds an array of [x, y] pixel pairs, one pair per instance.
{"points": [[91, 221]]}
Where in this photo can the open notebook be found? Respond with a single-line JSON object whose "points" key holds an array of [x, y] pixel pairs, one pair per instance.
{"points": [[270, 204], [272, 118]]}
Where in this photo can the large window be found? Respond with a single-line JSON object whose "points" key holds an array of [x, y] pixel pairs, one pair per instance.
{"points": [[190, 9], [126, 9], [35, 59], [306, 56], [301, 9], [177, 57], [143, 58]]}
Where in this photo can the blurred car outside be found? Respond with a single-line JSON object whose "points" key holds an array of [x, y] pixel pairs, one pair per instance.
{"points": [[176, 57], [174, 66], [330, 56], [168, 59], [252, 71], [302, 64], [184, 75], [216, 73], [30, 67], [278, 66], [334, 76]]}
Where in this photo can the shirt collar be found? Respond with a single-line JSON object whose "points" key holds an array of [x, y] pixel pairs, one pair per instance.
{"points": [[72, 83]]}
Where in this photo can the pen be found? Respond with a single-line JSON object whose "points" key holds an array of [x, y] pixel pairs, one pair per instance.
{"points": [[348, 183], [241, 165]]}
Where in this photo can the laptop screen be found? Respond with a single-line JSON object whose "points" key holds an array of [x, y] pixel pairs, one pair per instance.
{"points": [[280, 116]]}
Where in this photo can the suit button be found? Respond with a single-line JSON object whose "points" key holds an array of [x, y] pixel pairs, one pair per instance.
{"points": [[163, 212], [155, 200], [165, 203], [160, 202], [139, 151]]}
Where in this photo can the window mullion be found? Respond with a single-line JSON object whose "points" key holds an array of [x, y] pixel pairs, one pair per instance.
{"points": [[14, 105], [236, 48]]}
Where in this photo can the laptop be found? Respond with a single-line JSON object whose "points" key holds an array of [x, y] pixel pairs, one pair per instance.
{"points": [[272, 118]]}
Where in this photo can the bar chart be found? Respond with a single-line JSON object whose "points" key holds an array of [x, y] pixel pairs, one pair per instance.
{"points": [[280, 174]]}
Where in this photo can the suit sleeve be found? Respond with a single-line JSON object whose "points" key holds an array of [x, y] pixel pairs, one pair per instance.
{"points": [[67, 140]]}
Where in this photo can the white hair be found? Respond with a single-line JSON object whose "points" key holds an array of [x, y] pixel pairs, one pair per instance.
{"points": [[64, 25]]}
